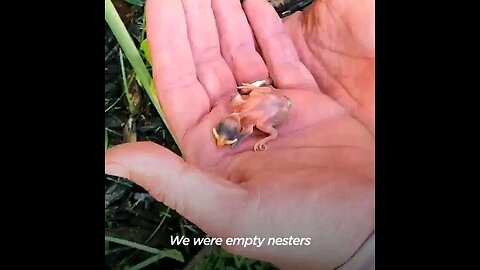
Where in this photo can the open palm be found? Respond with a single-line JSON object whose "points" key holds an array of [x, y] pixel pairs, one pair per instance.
{"points": [[316, 180]]}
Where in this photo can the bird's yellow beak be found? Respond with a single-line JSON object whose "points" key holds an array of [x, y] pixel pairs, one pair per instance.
{"points": [[221, 140]]}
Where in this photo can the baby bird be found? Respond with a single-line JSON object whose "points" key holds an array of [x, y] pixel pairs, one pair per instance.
{"points": [[262, 108]]}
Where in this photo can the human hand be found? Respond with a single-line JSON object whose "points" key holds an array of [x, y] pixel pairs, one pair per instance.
{"points": [[315, 180], [335, 39]]}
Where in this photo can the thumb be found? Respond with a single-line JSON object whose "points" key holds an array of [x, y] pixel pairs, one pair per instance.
{"points": [[204, 199]]}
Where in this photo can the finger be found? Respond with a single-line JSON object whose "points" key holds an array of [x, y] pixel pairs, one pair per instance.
{"points": [[212, 70], [182, 97], [237, 42], [277, 48], [204, 199]]}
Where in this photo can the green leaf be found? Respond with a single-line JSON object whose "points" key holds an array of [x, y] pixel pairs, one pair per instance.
{"points": [[146, 50], [139, 80], [172, 254], [220, 263], [237, 261], [106, 142], [146, 262], [165, 253], [132, 244]]}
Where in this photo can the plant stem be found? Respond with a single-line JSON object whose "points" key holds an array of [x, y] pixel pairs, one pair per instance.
{"points": [[131, 52], [131, 105]]}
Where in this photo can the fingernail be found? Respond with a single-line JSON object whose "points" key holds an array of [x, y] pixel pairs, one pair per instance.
{"points": [[116, 169]]}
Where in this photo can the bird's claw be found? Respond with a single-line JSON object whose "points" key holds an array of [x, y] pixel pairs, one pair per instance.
{"points": [[260, 146]]}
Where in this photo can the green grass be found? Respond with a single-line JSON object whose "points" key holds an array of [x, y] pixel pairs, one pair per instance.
{"points": [[158, 254], [132, 53], [223, 260]]}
